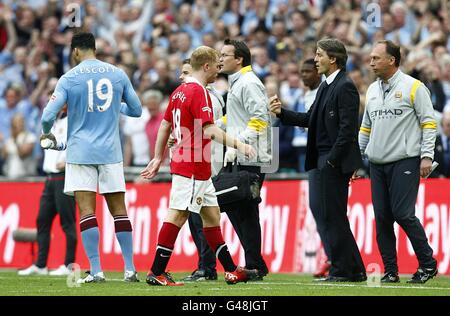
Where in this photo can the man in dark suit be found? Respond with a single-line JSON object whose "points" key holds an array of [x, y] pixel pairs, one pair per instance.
{"points": [[333, 149]]}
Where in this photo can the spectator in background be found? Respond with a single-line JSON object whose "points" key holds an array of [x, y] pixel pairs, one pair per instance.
{"points": [[18, 150], [197, 27], [13, 103], [184, 43], [152, 101], [429, 73], [287, 152], [261, 63], [445, 66], [14, 70], [290, 89], [256, 13], [25, 25], [301, 29], [260, 38], [232, 15], [276, 39], [144, 65], [442, 148], [311, 80], [209, 39], [361, 85], [404, 24], [164, 83], [7, 74], [137, 147]]}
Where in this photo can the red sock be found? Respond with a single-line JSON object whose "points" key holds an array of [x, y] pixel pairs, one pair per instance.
{"points": [[213, 236], [166, 241], [215, 240], [168, 235]]}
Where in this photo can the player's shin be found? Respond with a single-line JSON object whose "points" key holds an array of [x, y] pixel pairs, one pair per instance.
{"points": [[123, 229], [90, 237]]}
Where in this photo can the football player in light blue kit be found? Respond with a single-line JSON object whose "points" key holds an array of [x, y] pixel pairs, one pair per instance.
{"points": [[93, 91]]}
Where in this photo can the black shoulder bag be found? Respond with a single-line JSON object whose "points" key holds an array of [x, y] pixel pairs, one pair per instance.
{"points": [[234, 187]]}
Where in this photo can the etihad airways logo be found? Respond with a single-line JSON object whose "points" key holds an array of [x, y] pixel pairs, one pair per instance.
{"points": [[386, 114]]}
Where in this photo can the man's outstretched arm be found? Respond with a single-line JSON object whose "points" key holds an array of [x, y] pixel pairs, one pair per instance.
{"points": [[214, 133]]}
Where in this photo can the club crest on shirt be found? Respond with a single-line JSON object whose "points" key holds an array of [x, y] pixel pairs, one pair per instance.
{"points": [[398, 94], [199, 201]]}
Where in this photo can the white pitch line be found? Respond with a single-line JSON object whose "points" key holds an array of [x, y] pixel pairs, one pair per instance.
{"points": [[381, 286], [320, 284], [353, 285]]}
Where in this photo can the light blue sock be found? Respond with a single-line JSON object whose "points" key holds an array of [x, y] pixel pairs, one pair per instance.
{"points": [[126, 244], [90, 239]]}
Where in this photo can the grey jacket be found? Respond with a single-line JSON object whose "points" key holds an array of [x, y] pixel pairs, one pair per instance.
{"points": [[248, 117], [398, 122]]}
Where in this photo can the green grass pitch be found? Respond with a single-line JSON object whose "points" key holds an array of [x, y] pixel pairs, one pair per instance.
{"points": [[273, 285]]}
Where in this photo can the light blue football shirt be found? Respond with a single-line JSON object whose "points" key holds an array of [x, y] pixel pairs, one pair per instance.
{"points": [[93, 91]]}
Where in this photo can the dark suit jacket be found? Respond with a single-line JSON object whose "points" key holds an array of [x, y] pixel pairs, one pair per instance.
{"points": [[341, 111]]}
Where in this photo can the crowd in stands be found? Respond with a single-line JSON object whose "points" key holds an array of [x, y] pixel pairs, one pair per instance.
{"points": [[150, 39]]}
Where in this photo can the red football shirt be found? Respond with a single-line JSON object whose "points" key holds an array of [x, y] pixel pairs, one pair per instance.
{"points": [[188, 111]]}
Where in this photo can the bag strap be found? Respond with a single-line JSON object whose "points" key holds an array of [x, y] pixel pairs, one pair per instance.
{"points": [[234, 166], [231, 167]]}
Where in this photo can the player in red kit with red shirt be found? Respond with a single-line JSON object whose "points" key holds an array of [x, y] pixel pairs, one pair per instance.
{"points": [[189, 115]]}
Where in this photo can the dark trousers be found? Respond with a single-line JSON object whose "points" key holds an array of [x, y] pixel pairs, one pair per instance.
{"points": [[394, 193], [206, 257], [245, 220], [345, 258], [54, 201], [316, 210]]}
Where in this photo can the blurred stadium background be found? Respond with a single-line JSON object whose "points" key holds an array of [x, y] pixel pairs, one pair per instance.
{"points": [[149, 40]]}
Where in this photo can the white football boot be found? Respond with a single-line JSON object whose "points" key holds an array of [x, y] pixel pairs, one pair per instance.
{"points": [[61, 271], [130, 276], [33, 270], [97, 278]]}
